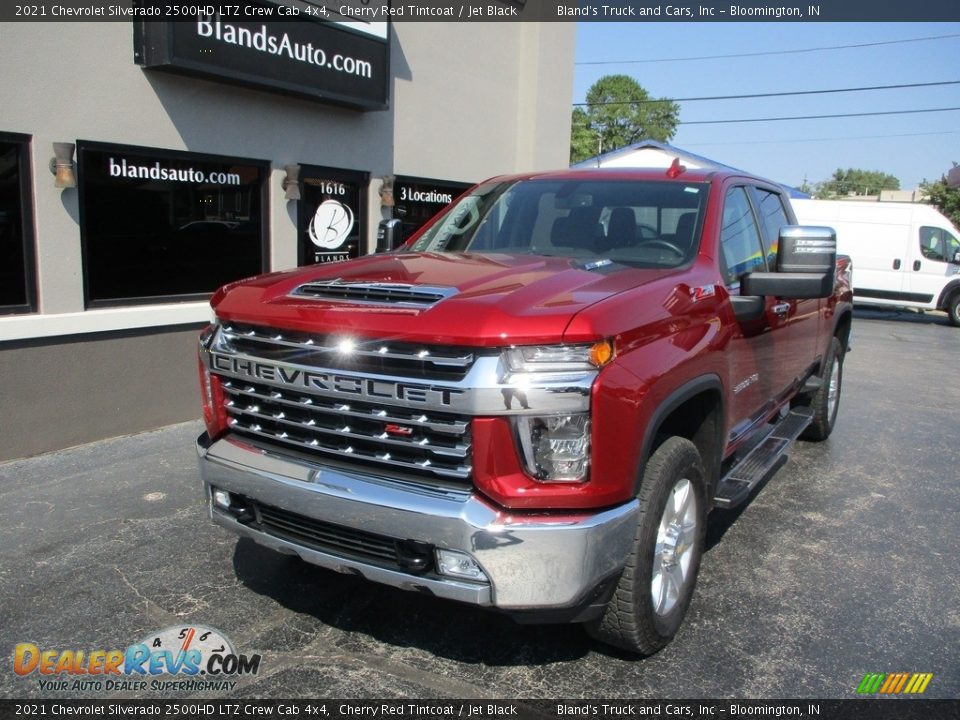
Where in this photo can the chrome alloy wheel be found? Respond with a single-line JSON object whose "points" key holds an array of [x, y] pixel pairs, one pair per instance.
{"points": [[833, 391], [673, 553]]}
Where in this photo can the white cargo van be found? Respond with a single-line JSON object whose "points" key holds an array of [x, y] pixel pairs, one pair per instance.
{"points": [[904, 254]]}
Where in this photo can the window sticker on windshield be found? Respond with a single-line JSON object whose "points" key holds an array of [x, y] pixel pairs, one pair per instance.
{"points": [[461, 218], [691, 190]]}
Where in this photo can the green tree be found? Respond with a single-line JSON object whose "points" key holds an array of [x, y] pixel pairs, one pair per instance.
{"points": [[944, 198], [619, 112], [854, 181]]}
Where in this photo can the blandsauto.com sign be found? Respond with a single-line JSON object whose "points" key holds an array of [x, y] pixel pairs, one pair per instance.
{"points": [[306, 57]]}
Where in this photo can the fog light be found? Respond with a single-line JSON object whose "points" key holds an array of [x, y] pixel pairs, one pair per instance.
{"points": [[458, 564], [221, 498], [555, 448]]}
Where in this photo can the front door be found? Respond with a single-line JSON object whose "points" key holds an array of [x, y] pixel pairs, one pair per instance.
{"points": [[931, 267], [798, 320], [769, 354]]}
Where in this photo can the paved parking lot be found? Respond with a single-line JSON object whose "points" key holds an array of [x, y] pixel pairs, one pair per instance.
{"points": [[847, 562]]}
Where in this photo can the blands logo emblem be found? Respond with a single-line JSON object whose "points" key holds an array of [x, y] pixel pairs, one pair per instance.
{"points": [[894, 683], [331, 225]]}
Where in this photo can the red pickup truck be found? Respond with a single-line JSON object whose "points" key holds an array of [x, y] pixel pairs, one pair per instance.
{"points": [[534, 403]]}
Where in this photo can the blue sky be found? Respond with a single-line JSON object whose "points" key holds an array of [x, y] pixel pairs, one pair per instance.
{"points": [[790, 151]]}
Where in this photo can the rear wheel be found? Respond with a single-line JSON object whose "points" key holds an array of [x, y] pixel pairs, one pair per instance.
{"points": [[826, 401], [654, 591]]}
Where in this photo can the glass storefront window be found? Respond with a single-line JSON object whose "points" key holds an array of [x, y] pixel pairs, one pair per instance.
{"points": [[159, 225], [331, 214], [419, 199], [17, 283]]}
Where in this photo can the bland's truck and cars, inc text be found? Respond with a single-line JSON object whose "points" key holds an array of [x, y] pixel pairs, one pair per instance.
{"points": [[533, 405]]}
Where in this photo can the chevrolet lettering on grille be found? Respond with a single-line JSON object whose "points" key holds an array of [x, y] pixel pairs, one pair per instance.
{"points": [[333, 383]]}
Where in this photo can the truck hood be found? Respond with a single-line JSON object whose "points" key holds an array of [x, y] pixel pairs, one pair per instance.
{"points": [[489, 299]]}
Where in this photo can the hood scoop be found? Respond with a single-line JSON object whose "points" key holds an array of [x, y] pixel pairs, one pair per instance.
{"points": [[375, 293]]}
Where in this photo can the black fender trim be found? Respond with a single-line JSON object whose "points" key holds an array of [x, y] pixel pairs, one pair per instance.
{"points": [[677, 398], [948, 290], [844, 321]]}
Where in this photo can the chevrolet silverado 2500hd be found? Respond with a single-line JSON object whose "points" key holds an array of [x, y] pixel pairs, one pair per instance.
{"points": [[534, 403]]}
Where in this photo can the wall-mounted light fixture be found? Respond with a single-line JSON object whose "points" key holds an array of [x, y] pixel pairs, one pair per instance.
{"points": [[291, 182], [386, 191], [61, 165]]}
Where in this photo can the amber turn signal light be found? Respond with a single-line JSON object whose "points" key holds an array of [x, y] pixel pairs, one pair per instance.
{"points": [[601, 352]]}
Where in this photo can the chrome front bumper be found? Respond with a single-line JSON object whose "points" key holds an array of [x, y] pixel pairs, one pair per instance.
{"points": [[532, 561]]}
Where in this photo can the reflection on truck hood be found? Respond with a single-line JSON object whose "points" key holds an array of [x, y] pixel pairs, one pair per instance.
{"points": [[499, 298]]}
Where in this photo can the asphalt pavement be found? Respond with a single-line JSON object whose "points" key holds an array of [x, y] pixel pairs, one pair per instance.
{"points": [[846, 562]]}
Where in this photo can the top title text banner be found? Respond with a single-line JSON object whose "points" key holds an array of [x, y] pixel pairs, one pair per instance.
{"points": [[373, 12]]}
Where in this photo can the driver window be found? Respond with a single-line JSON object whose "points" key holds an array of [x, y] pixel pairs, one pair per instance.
{"points": [[937, 244], [772, 218], [953, 246], [739, 237]]}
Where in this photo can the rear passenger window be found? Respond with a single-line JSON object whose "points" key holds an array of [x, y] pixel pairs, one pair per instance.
{"points": [[772, 217], [739, 237]]}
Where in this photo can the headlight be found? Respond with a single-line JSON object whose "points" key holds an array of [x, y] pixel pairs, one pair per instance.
{"points": [[555, 448], [557, 358]]}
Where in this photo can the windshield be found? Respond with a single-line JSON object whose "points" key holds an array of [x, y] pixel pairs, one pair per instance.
{"points": [[639, 223]]}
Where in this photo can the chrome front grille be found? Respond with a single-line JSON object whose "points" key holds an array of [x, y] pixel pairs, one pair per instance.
{"points": [[393, 409], [431, 444], [405, 360]]}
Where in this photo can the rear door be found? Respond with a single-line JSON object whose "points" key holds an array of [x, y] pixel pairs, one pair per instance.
{"points": [[874, 236], [880, 259]]}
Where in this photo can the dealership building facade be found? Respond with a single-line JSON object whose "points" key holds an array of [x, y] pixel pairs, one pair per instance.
{"points": [[143, 164]]}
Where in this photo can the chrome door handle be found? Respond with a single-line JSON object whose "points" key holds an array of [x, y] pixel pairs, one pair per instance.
{"points": [[781, 308]]}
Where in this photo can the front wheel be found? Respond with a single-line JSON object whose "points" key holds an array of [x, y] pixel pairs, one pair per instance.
{"points": [[654, 591], [953, 310]]}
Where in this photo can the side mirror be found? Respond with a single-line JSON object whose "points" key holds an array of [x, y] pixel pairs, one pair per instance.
{"points": [[806, 265], [807, 249], [956, 258], [389, 235]]}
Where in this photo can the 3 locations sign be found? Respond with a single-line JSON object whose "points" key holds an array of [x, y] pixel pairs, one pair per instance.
{"points": [[273, 46], [419, 199]]}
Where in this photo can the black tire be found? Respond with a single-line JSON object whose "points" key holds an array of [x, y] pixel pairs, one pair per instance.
{"points": [[953, 310], [825, 412], [631, 621]]}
